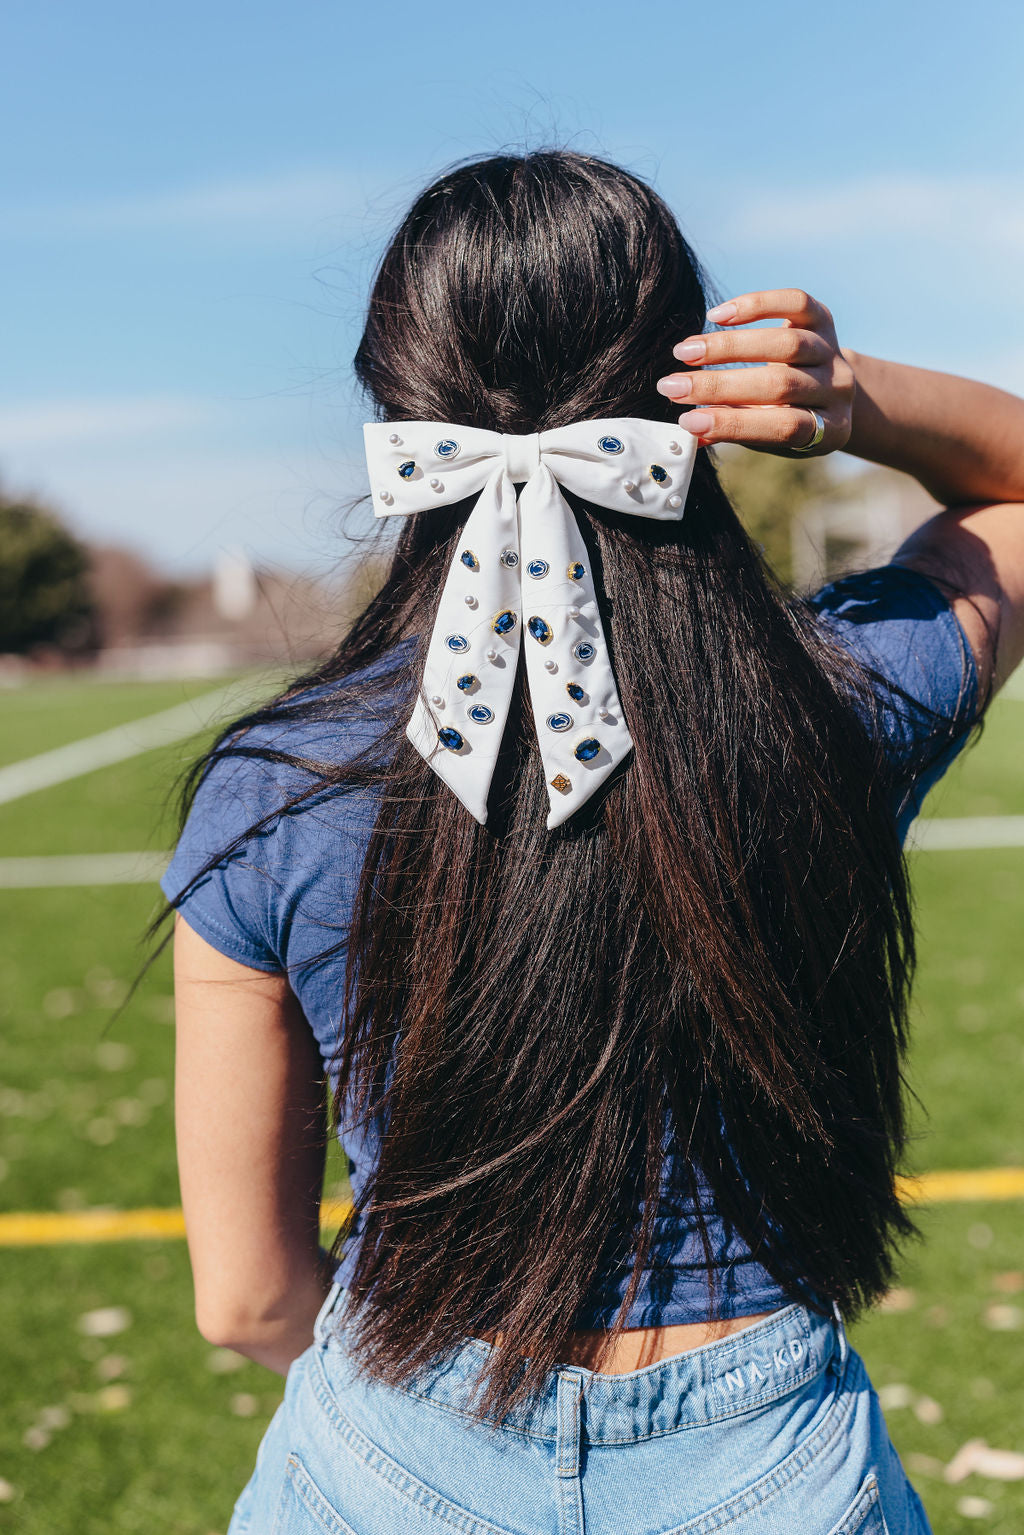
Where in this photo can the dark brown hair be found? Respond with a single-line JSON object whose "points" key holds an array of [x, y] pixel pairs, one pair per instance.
{"points": [[713, 956]]}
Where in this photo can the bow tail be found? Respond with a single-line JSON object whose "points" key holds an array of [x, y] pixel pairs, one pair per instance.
{"points": [[460, 714], [580, 726]]}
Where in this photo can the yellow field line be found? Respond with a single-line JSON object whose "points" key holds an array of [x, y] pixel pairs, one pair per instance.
{"points": [[52, 1228]]}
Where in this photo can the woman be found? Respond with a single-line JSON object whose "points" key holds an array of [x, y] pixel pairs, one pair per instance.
{"points": [[622, 1098]]}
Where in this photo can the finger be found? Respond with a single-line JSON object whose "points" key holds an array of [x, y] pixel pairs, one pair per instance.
{"points": [[791, 304], [766, 426], [768, 385], [779, 343]]}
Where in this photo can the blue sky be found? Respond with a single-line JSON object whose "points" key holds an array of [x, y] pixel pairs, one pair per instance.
{"points": [[192, 199]]}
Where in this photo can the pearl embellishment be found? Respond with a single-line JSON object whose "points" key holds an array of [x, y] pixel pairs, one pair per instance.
{"points": [[674, 447], [550, 666], [394, 438], [438, 700], [492, 655], [436, 485], [573, 612], [386, 497], [470, 601], [629, 485], [674, 501]]}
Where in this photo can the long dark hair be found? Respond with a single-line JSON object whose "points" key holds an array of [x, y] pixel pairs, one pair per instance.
{"points": [[712, 958]]}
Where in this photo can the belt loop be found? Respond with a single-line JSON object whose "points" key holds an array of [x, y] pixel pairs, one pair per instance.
{"points": [[321, 1329], [844, 1347], [567, 1452]]}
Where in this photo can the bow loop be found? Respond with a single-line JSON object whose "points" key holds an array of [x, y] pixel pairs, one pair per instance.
{"points": [[521, 577]]}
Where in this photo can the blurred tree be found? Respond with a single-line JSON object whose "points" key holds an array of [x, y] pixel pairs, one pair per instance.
{"points": [[769, 492], [44, 588]]}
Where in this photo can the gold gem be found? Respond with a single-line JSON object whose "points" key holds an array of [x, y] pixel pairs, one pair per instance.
{"points": [[561, 783]]}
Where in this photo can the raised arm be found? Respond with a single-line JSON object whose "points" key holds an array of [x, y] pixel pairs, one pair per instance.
{"points": [[963, 441], [249, 1113]]}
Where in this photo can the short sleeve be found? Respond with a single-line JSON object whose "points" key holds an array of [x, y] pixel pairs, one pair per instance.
{"points": [[231, 904], [902, 627]]}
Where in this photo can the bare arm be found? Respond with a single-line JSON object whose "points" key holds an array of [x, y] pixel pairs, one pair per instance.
{"points": [[249, 1113], [963, 441]]}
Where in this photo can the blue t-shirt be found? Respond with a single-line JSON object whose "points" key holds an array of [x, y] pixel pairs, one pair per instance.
{"points": [[283, 897]]}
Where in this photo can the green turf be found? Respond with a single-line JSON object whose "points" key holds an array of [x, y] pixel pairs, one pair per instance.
{"points": [[987, 779], [85, 1119]]}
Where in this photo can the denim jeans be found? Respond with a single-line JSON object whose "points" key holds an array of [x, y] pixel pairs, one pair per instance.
{"points": [[774, 1430]]}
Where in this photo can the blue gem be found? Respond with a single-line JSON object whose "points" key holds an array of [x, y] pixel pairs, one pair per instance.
{"points": [[658, 474], [446, 448], [407, 470], [587, 749], [575, 571], [467, 683], [480, 714], [537, 568], [559, 722], [584, 651], [609, 445], [541, 631], [505, 621], [575, 691], [469, 559], [457, 642], [450, 738], [509, 558]]}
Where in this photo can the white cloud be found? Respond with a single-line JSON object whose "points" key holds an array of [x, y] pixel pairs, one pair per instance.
{"points": [[966, 210], [53, 422], [243, 201]]}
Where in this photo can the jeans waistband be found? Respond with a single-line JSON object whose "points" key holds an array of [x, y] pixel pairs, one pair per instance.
{"points": [[748, 1369]]}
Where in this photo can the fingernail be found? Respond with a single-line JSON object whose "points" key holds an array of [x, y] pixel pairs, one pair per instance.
{"points": [[697, 421], [689, 351], [677, 386], [721, 312]]}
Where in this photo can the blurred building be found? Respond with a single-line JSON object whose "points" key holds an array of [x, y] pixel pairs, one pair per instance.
{"points": [[240, 615], [861, 525]]}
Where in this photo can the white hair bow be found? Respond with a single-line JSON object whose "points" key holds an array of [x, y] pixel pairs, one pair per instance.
{"points": [[521, 575]]}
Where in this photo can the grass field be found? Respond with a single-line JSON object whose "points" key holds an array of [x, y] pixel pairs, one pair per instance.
{"points": [[118, 1417]]}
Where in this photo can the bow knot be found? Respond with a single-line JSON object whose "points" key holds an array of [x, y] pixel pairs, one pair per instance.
{"points": [[522, 456], [520, 581]]}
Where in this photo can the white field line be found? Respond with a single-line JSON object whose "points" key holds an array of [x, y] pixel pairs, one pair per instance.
{"points": [[124, 741], [82, 869], [942, 834], [935, 835]]}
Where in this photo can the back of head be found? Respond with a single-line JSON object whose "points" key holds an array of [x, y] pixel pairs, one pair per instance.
{"points": [[521, 294], [716, 948]]}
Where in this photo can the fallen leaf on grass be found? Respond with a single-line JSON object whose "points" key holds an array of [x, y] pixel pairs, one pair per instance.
{"points": [[976, 1457], [975, 1508], [1003, 1318], [224, 1361], [113, 1398], [898, 1300], [54, 1417], [111, 1366], [925, 1465], [926, 1410], [1010, 1283], [105, 1321]]}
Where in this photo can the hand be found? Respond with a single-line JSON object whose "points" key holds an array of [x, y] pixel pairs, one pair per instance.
{"points": [[768, 407]]}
